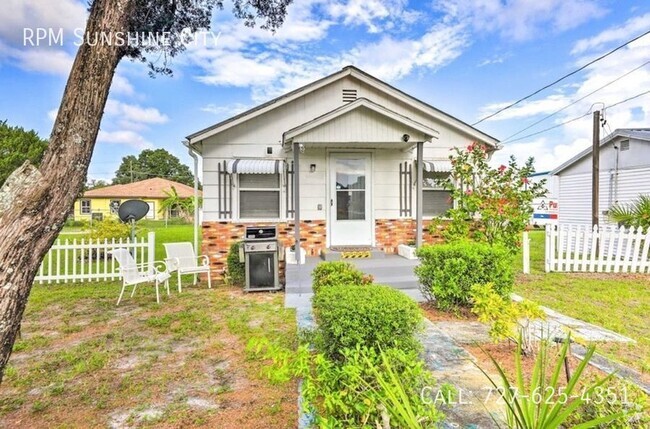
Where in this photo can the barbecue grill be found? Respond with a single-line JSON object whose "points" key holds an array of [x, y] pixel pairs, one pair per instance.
{"points": [[261, 253]]}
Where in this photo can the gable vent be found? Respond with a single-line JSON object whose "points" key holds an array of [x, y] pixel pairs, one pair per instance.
{"points": [[625, 145], [349, 95]]}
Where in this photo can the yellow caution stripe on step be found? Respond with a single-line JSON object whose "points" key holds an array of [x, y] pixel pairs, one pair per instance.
{"points": [[356, 254]]}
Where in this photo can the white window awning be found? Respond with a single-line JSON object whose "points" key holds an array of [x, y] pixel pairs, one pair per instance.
{"points": [[254, 166], [437, 166]]}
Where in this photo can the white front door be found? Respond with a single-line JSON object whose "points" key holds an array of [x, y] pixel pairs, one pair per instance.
{"points": [[350, 209]]}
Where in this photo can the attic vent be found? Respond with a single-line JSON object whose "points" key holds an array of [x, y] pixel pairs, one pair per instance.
{"points": [[349, 95], [625, 145]]}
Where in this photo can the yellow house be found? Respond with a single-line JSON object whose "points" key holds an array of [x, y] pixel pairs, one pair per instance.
{"points": [[104, 202]]}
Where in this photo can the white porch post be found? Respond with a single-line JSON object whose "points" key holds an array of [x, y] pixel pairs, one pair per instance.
{"points": [[418, 195], [296, 200]]}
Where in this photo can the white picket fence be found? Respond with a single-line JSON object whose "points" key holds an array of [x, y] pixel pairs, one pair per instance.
{"points": [[87, 260], [608, 249]]}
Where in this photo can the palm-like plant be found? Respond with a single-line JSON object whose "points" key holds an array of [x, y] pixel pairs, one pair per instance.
{"points": [[636, 214], [185, 206]]}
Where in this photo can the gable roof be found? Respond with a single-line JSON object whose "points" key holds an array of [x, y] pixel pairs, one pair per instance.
{"points": [[357, 104], [642, 134], [148, 188], [346, 71]]}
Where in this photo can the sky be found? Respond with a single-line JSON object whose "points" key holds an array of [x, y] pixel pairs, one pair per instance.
{"points": [[467, 58]]}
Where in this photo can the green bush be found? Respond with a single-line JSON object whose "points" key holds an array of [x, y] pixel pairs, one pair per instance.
{"points": [[235, 270], [367, 388], [448, 271], [337, 273], [109, 229], [374, 317]]}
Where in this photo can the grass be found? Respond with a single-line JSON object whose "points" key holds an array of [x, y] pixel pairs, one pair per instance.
{"points": [[619, 302], [83, 362], [178, 364]]}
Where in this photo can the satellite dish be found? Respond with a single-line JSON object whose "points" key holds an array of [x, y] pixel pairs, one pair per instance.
{"points": [[132, 210]]}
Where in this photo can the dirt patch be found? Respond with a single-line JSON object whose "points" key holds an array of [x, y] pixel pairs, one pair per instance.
{"points": [[435, 314]]}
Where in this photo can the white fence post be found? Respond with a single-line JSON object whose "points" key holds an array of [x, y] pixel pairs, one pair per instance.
{"points": [[151, 242], [570, 248], [526, 253]]}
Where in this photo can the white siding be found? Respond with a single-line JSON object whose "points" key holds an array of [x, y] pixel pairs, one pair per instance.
{"points": [[575, 193], [250, 139], [575, 199]]}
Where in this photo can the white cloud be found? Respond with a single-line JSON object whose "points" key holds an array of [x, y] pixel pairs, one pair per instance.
{"points": [[547, 156], [121, 85], [135, 113], [526, 109], [376, 15], [575, 135], [20, 14], [125, 137], [632, 28], [520, 19], [42, 60]]}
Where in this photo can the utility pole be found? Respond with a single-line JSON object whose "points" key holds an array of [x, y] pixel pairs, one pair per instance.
{"points": [[595, 168]]}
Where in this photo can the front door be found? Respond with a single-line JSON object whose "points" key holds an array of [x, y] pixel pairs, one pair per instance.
{"points": [[350, 209]]}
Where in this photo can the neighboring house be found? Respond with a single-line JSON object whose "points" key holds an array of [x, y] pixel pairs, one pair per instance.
{"points": [[351, 141], [100, 203], [545, 209], [624, 174]]}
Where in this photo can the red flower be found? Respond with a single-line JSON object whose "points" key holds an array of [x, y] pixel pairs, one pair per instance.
{"points": [[469, 192], [502, 168], [525, 180]]}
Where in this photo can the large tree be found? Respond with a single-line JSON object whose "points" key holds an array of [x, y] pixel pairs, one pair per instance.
{"points": [[17, 146], [35, 201], [153, 163]]}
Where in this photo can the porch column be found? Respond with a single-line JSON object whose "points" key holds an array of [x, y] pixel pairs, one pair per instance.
{"points": [[418, 195], [296, 199]]}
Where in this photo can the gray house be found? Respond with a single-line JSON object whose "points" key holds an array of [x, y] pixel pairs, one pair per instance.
{"points": [[624, 174]]}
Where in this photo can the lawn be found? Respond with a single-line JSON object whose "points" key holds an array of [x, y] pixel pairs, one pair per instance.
{"points": [[620, 302], [83, 362]]}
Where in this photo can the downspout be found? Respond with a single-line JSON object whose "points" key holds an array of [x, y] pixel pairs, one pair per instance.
{"points": [[193, 154]]}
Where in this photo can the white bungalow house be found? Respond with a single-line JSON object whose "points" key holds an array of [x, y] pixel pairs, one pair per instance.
{"points": [[624, 174], [339, 157]]}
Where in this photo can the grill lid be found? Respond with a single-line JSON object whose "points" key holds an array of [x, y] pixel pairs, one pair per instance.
{"points": [[261, 233]]}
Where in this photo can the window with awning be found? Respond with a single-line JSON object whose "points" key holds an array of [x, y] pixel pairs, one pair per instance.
{"points": [[436, 200]]}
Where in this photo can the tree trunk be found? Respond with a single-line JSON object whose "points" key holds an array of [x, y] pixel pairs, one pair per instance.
{"points": [[34, 203]]}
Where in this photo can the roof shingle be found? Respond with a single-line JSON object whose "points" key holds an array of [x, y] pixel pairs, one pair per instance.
{"points": [[149, 188]]}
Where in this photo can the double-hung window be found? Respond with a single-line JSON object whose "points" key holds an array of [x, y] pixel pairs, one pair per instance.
{"points": [[85, 207], [436, 199], [259, 196]]}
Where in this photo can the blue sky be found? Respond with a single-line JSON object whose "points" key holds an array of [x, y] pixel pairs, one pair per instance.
{"points": [[466, 57]]}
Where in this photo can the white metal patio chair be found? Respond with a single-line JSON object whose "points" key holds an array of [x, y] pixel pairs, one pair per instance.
{"points": [[134, 274], [182, 259]]}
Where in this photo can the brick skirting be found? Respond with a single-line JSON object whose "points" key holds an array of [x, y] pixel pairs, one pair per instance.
{"points": [[219, 236]]}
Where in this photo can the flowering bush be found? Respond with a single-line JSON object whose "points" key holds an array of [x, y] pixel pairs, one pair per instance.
{"points": [[493, 205]]}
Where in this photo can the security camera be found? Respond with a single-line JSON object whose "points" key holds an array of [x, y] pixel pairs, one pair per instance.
{"points": [[406, 138], [302, 148]]}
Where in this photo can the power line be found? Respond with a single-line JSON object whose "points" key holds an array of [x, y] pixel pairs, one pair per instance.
{"points": [[575, 102], [560, 79], [579, 117]]}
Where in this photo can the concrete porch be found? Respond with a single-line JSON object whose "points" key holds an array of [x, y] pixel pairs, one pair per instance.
{"points": [[392, 270]]}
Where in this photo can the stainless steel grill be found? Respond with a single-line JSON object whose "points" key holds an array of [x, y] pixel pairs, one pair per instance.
{"points": [[261, 251]]}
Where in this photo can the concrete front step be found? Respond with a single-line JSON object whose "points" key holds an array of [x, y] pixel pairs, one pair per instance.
{"points": [[334, 255]]}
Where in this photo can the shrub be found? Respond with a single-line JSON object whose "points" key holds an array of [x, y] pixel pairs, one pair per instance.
{"points": [[235, 270], [367, 389], [109, 229], [374, 317], [337, 273], [448, 271], [507, 319]]}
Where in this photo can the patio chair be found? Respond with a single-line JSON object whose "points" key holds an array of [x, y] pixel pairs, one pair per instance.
{"points": [[182, 259], [134, 274]]}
